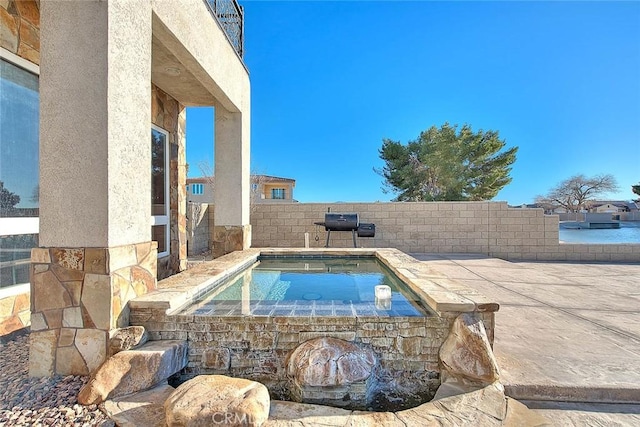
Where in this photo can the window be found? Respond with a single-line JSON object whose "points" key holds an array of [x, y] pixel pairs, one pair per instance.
{"points": [[277, 193], [160, 189], [19, 176], [197, 189]]}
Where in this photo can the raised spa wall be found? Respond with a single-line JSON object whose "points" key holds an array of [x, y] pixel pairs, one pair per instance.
{"points": [[257, 348]]}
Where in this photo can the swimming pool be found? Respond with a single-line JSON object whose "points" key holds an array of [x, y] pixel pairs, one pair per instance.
{"points": [[249, 331], [311, 286]]}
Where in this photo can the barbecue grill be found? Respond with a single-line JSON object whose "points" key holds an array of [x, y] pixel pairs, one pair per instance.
{"points": [[346, 222]]}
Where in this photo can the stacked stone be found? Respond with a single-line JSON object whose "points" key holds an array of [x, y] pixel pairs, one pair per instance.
{"points": [[40, 401], [14, 313], [257, 348], [78, 296]]}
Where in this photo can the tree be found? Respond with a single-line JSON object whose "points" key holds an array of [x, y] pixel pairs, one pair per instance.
{"points": [[447, 164], [35, 194], [575, 193], [636, 190], [8, 200]]}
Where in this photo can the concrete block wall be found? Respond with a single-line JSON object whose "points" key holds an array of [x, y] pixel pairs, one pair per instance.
{"points": [[490, 228], [198, 240]]}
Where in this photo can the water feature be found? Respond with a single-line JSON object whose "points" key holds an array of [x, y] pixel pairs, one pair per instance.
{"points": [[246, 319], [629, 232]]}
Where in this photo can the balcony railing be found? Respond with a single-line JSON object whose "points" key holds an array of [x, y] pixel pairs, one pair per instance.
{"points": [[230, 15]]}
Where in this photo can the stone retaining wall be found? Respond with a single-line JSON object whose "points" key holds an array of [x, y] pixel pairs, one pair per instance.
{"points": [[490, 228], [257, 348]]}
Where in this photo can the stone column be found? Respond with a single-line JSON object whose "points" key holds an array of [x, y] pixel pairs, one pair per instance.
{"points": [[95, 180], [232, 230]]}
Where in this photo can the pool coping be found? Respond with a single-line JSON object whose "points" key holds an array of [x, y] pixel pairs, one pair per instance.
{"points": [[441, 293]]}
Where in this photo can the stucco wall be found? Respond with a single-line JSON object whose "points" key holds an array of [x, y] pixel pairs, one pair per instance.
{"points": [[20, 35], [95, 147], [490, 228]]}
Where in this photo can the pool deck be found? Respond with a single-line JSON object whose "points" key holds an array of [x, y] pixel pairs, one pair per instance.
{"points": [[567, 335], [565, 331]]}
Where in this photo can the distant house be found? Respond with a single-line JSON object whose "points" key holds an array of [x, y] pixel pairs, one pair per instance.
{"points": [[596, 206], [264, 189], [272, 189], [599, 206], [200, 190]]}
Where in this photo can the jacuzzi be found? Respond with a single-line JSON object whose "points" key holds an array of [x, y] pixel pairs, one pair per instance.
{"points": [[247, 328]]}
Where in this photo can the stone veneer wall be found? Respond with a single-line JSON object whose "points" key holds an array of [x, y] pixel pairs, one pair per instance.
{"points": [[77, 297], [14, 313], [170, 115], [20, 35], [257, 347], [20, 24], [227, 238], [490, 228]]}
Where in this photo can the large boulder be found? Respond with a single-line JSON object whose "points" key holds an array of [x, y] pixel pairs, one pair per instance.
{"points": [[331, 371], [128, 338], [327, 361], [208, 400], [466, 353], [145, 408], [134, 370]]}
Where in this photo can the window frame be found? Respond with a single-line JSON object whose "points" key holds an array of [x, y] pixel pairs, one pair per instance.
{"points": [[15, 226], [197, 189], [278, 190], [163, 220]]}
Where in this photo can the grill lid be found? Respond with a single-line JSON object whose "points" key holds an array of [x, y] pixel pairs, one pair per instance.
{"points": [[341, 221]]}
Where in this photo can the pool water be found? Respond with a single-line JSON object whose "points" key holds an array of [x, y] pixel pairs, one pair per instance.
{"points": [[629, 232], [326, 286]]}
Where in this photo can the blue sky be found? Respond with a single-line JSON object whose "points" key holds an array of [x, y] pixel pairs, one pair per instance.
{"points": [[330, 80]]}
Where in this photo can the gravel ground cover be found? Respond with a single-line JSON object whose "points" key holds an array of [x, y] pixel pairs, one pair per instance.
{"points": [[26, 401]]}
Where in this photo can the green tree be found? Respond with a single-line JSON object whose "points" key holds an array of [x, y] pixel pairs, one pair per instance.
{"points": [[636, 190], [447, 163], [575, 193], [7, 199]]}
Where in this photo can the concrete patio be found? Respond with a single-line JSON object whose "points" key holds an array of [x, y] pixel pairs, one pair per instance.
{"points": [[565, 332]]}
